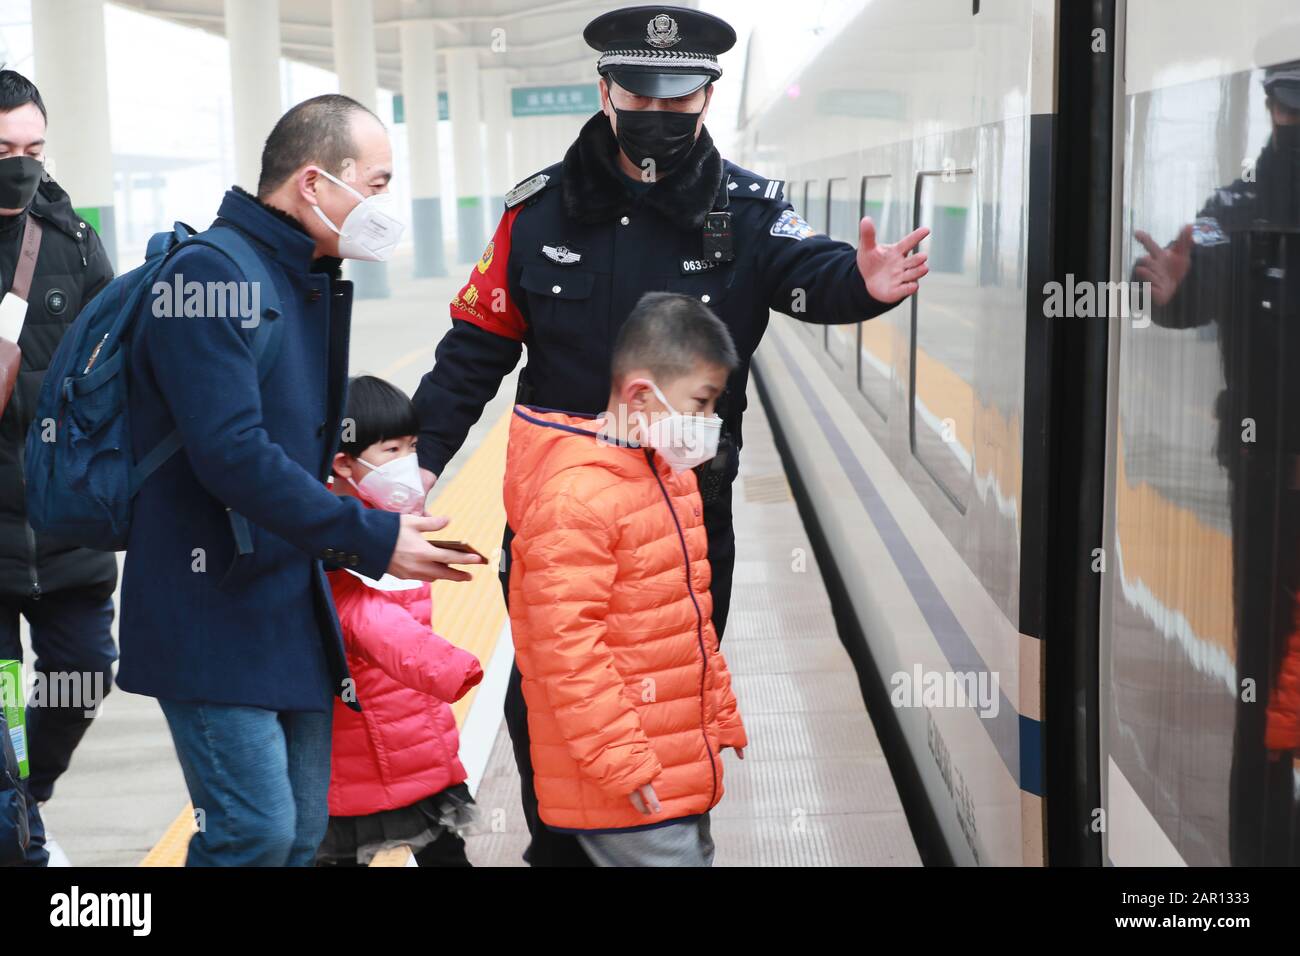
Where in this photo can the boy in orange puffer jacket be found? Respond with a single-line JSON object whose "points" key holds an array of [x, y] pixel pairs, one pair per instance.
{"points": [[629, 699]]}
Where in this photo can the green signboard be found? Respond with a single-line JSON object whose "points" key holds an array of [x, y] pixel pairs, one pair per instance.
{"points": [[581, 98], [573, 98]]}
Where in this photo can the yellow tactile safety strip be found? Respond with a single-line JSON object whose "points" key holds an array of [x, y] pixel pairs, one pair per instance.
{"points": [[470, 614], [170, 850]]}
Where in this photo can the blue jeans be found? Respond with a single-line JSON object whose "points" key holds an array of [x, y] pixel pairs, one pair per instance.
{"points": [[71, 638], [259, 781]]}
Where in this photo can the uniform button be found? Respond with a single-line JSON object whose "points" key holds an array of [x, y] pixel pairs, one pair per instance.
{"points": [[624, 221], [320, 430], [555, 289], [704, 298]]}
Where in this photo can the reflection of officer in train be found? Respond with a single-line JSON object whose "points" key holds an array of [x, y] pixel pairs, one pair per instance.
{"points": [[641, 202], [1234, 266]]}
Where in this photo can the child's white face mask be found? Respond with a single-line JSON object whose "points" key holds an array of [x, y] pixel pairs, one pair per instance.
{"points": [[393, 486], [684, 440]]}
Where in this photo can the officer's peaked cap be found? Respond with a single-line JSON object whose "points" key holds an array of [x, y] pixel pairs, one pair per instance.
{"points": [[659, 51], [1282, 82]]}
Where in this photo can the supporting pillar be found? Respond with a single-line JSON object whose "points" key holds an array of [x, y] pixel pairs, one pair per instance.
{"points": [[354, 62], [466, 117], [420, 99], [496, 122], [72, 75], [253, 32]]}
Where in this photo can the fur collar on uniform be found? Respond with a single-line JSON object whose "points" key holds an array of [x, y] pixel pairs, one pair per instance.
{"points": [[595, 191]]}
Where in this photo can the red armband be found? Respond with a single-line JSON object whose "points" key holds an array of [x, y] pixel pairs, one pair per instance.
{"points": [[485, 299]]}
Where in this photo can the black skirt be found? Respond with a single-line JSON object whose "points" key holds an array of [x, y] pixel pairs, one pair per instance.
{"points": [[356, 840]]}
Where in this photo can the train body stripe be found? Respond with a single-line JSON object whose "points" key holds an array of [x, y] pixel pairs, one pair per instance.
{"points": [[1017, 739]]}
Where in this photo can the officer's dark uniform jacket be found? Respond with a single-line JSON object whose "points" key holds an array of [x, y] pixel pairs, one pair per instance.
{"points": [[614, 246], [1220, 284]]}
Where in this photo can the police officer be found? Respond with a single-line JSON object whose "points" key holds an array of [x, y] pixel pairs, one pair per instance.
{"points": [[641, 202]]}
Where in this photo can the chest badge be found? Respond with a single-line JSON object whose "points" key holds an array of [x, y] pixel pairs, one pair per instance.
{"points": [[56, 300], [562, 254]]}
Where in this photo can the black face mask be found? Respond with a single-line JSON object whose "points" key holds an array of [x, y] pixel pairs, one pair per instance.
{"points": [[1286, 139], [19, 178], [662, 136]]}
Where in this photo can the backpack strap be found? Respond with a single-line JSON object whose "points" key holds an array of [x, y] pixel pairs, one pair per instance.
{"points": [[266, 335], [265, 342], [161, 243]]}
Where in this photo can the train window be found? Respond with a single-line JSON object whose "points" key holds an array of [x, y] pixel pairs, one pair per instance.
{"points": [[814, 211], [876, 338], [943, 334], [841, 341], [841, 211], [814, 205]]}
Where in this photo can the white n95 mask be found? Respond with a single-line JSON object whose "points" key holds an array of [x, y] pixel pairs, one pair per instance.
{"points": [[393, 486], [683, 440], [369, 232]]}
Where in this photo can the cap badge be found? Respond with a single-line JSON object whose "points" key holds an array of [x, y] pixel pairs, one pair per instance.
{"points": [[661, 32]]}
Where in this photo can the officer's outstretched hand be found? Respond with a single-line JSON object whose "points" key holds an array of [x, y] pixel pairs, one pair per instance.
{"points": [[1164, 268], [887, 269]]}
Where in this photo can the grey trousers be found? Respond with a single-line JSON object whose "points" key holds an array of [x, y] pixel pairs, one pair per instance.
{"points": [[686, 843]]}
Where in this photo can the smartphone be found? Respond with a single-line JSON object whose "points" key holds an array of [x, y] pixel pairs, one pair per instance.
{"points": [[458, 546]]}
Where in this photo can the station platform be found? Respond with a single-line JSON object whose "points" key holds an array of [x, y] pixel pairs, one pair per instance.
{"points": [[814, 787]]}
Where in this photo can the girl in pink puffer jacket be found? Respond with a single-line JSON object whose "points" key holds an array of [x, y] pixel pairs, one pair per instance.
{"points": [[396, 777]]}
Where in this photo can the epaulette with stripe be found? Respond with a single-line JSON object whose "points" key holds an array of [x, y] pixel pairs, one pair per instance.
{"points": [[527, 189], [754, 187]]}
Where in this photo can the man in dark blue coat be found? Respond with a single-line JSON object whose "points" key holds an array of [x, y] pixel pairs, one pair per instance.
{"points": [[242, 648], [642, 202]]}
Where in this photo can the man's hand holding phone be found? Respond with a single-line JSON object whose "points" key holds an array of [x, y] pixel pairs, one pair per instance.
{"points": [[417, 559]]}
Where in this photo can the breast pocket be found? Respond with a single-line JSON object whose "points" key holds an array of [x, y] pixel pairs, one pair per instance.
{"points": [[562, 309]]}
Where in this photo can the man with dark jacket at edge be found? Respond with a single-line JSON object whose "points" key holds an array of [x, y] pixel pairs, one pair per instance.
{"points": [[243, 648], [64, 592], [642, 202]]}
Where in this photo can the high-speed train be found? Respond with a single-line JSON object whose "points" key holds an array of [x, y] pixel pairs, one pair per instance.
{"points": [[1056, 489]]}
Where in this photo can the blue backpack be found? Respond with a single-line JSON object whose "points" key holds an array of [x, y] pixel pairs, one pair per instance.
{"points": [[79, 468]]}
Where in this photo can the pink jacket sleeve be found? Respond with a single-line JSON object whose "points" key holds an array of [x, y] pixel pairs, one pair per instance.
{"points": [[385, 634]]}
